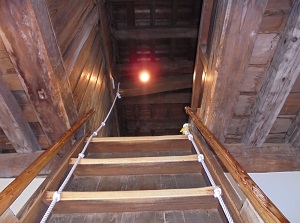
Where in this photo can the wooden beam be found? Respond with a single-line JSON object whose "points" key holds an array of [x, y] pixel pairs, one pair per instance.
{"points": [[155, 68], [267, 158], [207, 7], [13, 123], [140, 144], [235, 30], [132, 201], [293, 133], [278, 82], [161, 85], [33, 50], [156, 33], [167, 98], [150, 124]]}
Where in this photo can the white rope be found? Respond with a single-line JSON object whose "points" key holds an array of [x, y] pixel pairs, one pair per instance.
{"points": [[217, 190], [56, 195]]}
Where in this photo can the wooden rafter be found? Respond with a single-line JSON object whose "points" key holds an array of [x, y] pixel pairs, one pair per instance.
{"points": [[235, 29], [167, 67], [13, 123], [156, 33], [33, 49], [167, 98], [278, 82], [162, 85]]}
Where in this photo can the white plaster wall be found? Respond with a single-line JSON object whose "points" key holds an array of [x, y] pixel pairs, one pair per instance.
{"points": [[21, 200]]}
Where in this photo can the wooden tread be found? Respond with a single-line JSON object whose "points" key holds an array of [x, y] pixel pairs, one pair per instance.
{"points": [[137, 166], [131, 201]]}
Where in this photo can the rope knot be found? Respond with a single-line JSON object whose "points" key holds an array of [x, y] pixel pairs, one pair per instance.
{"points": [[103, 123], [200, 158], [95, 133], [217, 192], [81, 155], [118, 95], [56, 196]]}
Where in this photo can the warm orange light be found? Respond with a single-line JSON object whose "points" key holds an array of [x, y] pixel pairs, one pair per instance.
{"points": [[144, 76]]}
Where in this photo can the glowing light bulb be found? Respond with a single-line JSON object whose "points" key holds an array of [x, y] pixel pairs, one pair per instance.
{"points": [[144, 76]]}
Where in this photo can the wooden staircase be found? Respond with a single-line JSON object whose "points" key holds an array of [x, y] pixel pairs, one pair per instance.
{"points": [[136, 180]]}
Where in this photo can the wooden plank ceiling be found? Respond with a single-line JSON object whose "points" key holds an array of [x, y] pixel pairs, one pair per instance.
{"points": [[160, 37]]}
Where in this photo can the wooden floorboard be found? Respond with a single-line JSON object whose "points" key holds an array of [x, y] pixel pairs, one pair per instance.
{"points": [[191, 216], [137, 182]]}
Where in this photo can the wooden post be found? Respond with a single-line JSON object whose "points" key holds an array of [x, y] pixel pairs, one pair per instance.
{"points": [[29, 39]]}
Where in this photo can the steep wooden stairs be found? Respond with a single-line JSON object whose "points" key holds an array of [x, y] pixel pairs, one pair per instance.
{"points": [[136, 180]]}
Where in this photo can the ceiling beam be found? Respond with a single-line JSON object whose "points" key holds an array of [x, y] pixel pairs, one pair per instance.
{"points": [[13, 123], [147, 125], [156, 33], [278, 82], [235, 30], [162, 85], [33, 50], [167, 98], [293, 133], [267, 158], [156, 68]]}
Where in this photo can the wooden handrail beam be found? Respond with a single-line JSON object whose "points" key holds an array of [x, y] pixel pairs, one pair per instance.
{"points": [[15, 188], [262, 204]]}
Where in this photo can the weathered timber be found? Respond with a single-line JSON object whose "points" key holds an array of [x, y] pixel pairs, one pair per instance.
{"points": [[13, 190], [161, 85], [130, 201], [234, 33], [34, 209], [207, 7], [167, 67], [12, 164], [13, 123], [73, 51], [33, 49], [262, 204], [267, 158], [68, 18], [293, 133], [167, 98], [278, 82], [156, 33]]}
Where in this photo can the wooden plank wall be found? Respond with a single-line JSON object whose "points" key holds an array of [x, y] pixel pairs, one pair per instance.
{"points": [[274, 20], [76, 24]]}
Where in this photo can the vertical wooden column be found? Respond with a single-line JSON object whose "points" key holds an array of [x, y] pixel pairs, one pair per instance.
{"points": [[235, 28], [28, 36]]}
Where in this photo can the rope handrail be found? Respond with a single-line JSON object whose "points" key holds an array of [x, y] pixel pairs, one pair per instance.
{"points": [[56, 195], [16, 187], [262, 204]]}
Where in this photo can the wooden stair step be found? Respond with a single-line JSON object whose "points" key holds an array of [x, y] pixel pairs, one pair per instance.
{"points": [[131, 201], [140, 144], [137, 166], [186, 216], [137, 182]]}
